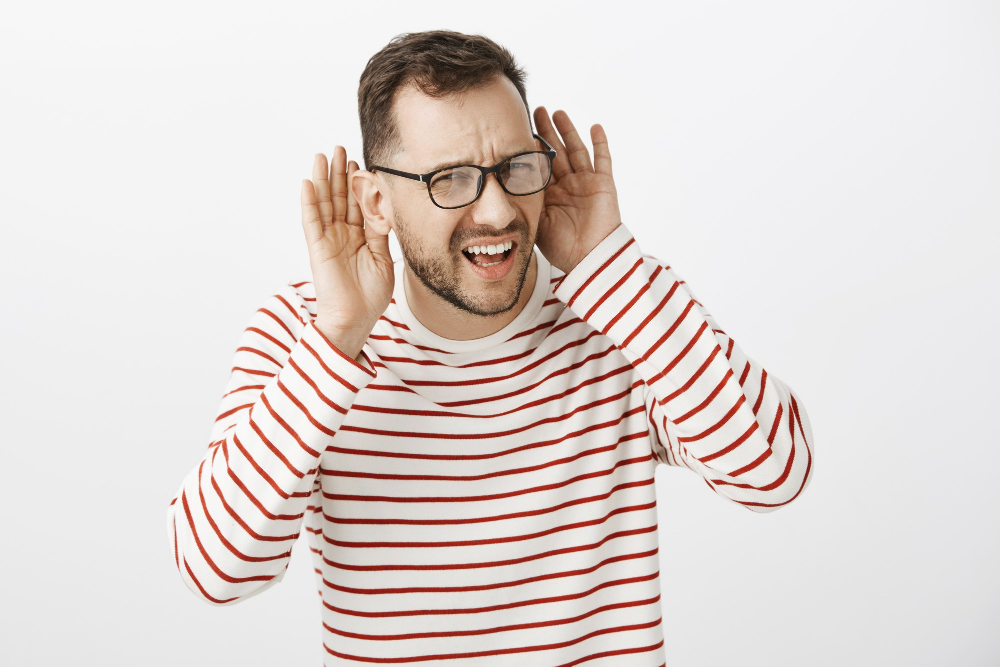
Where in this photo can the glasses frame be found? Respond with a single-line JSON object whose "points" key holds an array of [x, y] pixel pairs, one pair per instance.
{"points": [[484, 172]]}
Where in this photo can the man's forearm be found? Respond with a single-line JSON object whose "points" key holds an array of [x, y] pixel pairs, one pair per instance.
{"points": [[238, 510]]}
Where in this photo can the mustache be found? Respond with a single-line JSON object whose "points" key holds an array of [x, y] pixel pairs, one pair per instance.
{"points": [[521, 230]]}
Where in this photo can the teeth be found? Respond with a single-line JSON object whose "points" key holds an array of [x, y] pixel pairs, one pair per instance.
{"points": [[489, 249]]}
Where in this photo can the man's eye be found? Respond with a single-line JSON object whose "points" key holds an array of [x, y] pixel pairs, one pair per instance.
{"points": [[454, 176], [522, 165]]}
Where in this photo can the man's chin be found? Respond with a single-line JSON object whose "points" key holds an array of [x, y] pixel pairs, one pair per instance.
{"points": [[495, 297]]}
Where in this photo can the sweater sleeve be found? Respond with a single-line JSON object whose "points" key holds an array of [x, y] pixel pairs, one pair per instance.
{"points": [[237, 513], [711, 408]]}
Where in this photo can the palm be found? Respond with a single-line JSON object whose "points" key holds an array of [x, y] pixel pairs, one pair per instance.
{"points": [[351, 265], [581, 202]]}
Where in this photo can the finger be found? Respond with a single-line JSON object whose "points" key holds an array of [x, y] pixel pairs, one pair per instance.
{"points": [[321, 186], [338, 183], [602, 156], [560, 164], [354, 216], [576, 150], [312, 224]]}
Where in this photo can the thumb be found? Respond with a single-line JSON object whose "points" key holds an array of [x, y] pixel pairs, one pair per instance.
{"points": [[377, 243]]}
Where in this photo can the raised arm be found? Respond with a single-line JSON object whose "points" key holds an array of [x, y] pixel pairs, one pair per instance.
{"points": [[236, 515], [711, 408]]}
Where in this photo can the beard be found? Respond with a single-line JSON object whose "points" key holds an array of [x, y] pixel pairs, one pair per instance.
{"points": [[443, 274]]}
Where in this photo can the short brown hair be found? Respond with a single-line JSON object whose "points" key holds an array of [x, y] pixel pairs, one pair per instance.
{"points": [[439, 63]]}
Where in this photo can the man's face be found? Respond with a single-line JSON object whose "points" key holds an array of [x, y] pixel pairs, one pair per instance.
{"points": [[482, 127]]}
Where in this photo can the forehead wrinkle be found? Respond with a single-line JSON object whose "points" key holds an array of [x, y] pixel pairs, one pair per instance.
{"points": [[454, 162], [490, 155]]}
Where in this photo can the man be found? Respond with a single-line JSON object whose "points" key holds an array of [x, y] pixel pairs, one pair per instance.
{"points": [[471, 433]]}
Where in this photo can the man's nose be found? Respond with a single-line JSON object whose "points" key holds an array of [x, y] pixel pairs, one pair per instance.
{"points": [[493, 206]]}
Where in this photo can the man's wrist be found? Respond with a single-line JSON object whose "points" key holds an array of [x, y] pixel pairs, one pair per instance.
{"points": [[349, 342]]}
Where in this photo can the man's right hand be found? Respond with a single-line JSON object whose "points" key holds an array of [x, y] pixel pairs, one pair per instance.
{"points": [[352, 268]]}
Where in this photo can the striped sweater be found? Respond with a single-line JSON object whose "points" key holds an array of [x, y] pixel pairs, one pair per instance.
{"points": [[485, 502]]}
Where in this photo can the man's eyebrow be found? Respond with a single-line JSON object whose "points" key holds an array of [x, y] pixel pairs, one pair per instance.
{"points": [[464, 161]]}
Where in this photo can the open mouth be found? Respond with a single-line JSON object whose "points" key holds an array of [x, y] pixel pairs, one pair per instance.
{"points": [[486, 259], [491, 266]]}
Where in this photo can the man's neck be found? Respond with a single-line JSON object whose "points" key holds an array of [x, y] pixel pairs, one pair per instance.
{"points": [[447, 321]]}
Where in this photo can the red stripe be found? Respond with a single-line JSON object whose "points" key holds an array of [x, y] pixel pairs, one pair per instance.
{"points": [[485, 455], [201, 588], [288, 428], [491, 434], [319, 392], [356, 474], [232, 548], [291, 308], [396, 613], [680, 355], [507, 651], [174, 537], [788, 462], [763, 387], [628, 307], [524, 406], [263, 355], [401, 341], [487, 519], [485, 362], [249, 496], [521, 371], [711, 396], [621, 281], [655, 432], [263, 473], [725, 450], [649, 318], [280, 322], [694, 378], [747, 468], [243, 388], [252, 371], [398, 325], [491, 496], [261, 332], [548, 576], [624, 651], [237, 518], [204, 553], [599, 271], [349, 544], [228, 413], [596, 356], [498, 563], [805, 476], [496, 629]]}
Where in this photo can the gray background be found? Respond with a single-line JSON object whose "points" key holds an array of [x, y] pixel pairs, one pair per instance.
{"points": [[826, 177]]}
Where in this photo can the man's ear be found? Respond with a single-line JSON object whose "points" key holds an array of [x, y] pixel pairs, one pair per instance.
{"points": [[374, 205]]}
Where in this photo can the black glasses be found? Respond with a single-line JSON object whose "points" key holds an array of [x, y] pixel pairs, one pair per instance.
{"points": [[460, 185]]}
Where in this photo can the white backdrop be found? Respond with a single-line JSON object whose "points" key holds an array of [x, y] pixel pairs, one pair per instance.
{"points": [[826, 177]]}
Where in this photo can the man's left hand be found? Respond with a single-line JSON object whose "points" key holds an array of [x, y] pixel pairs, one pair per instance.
{"points": [[581, 202]]}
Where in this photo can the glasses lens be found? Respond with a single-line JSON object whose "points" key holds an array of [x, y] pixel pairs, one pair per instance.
{"points": [[455, 187], [524, 174]]}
